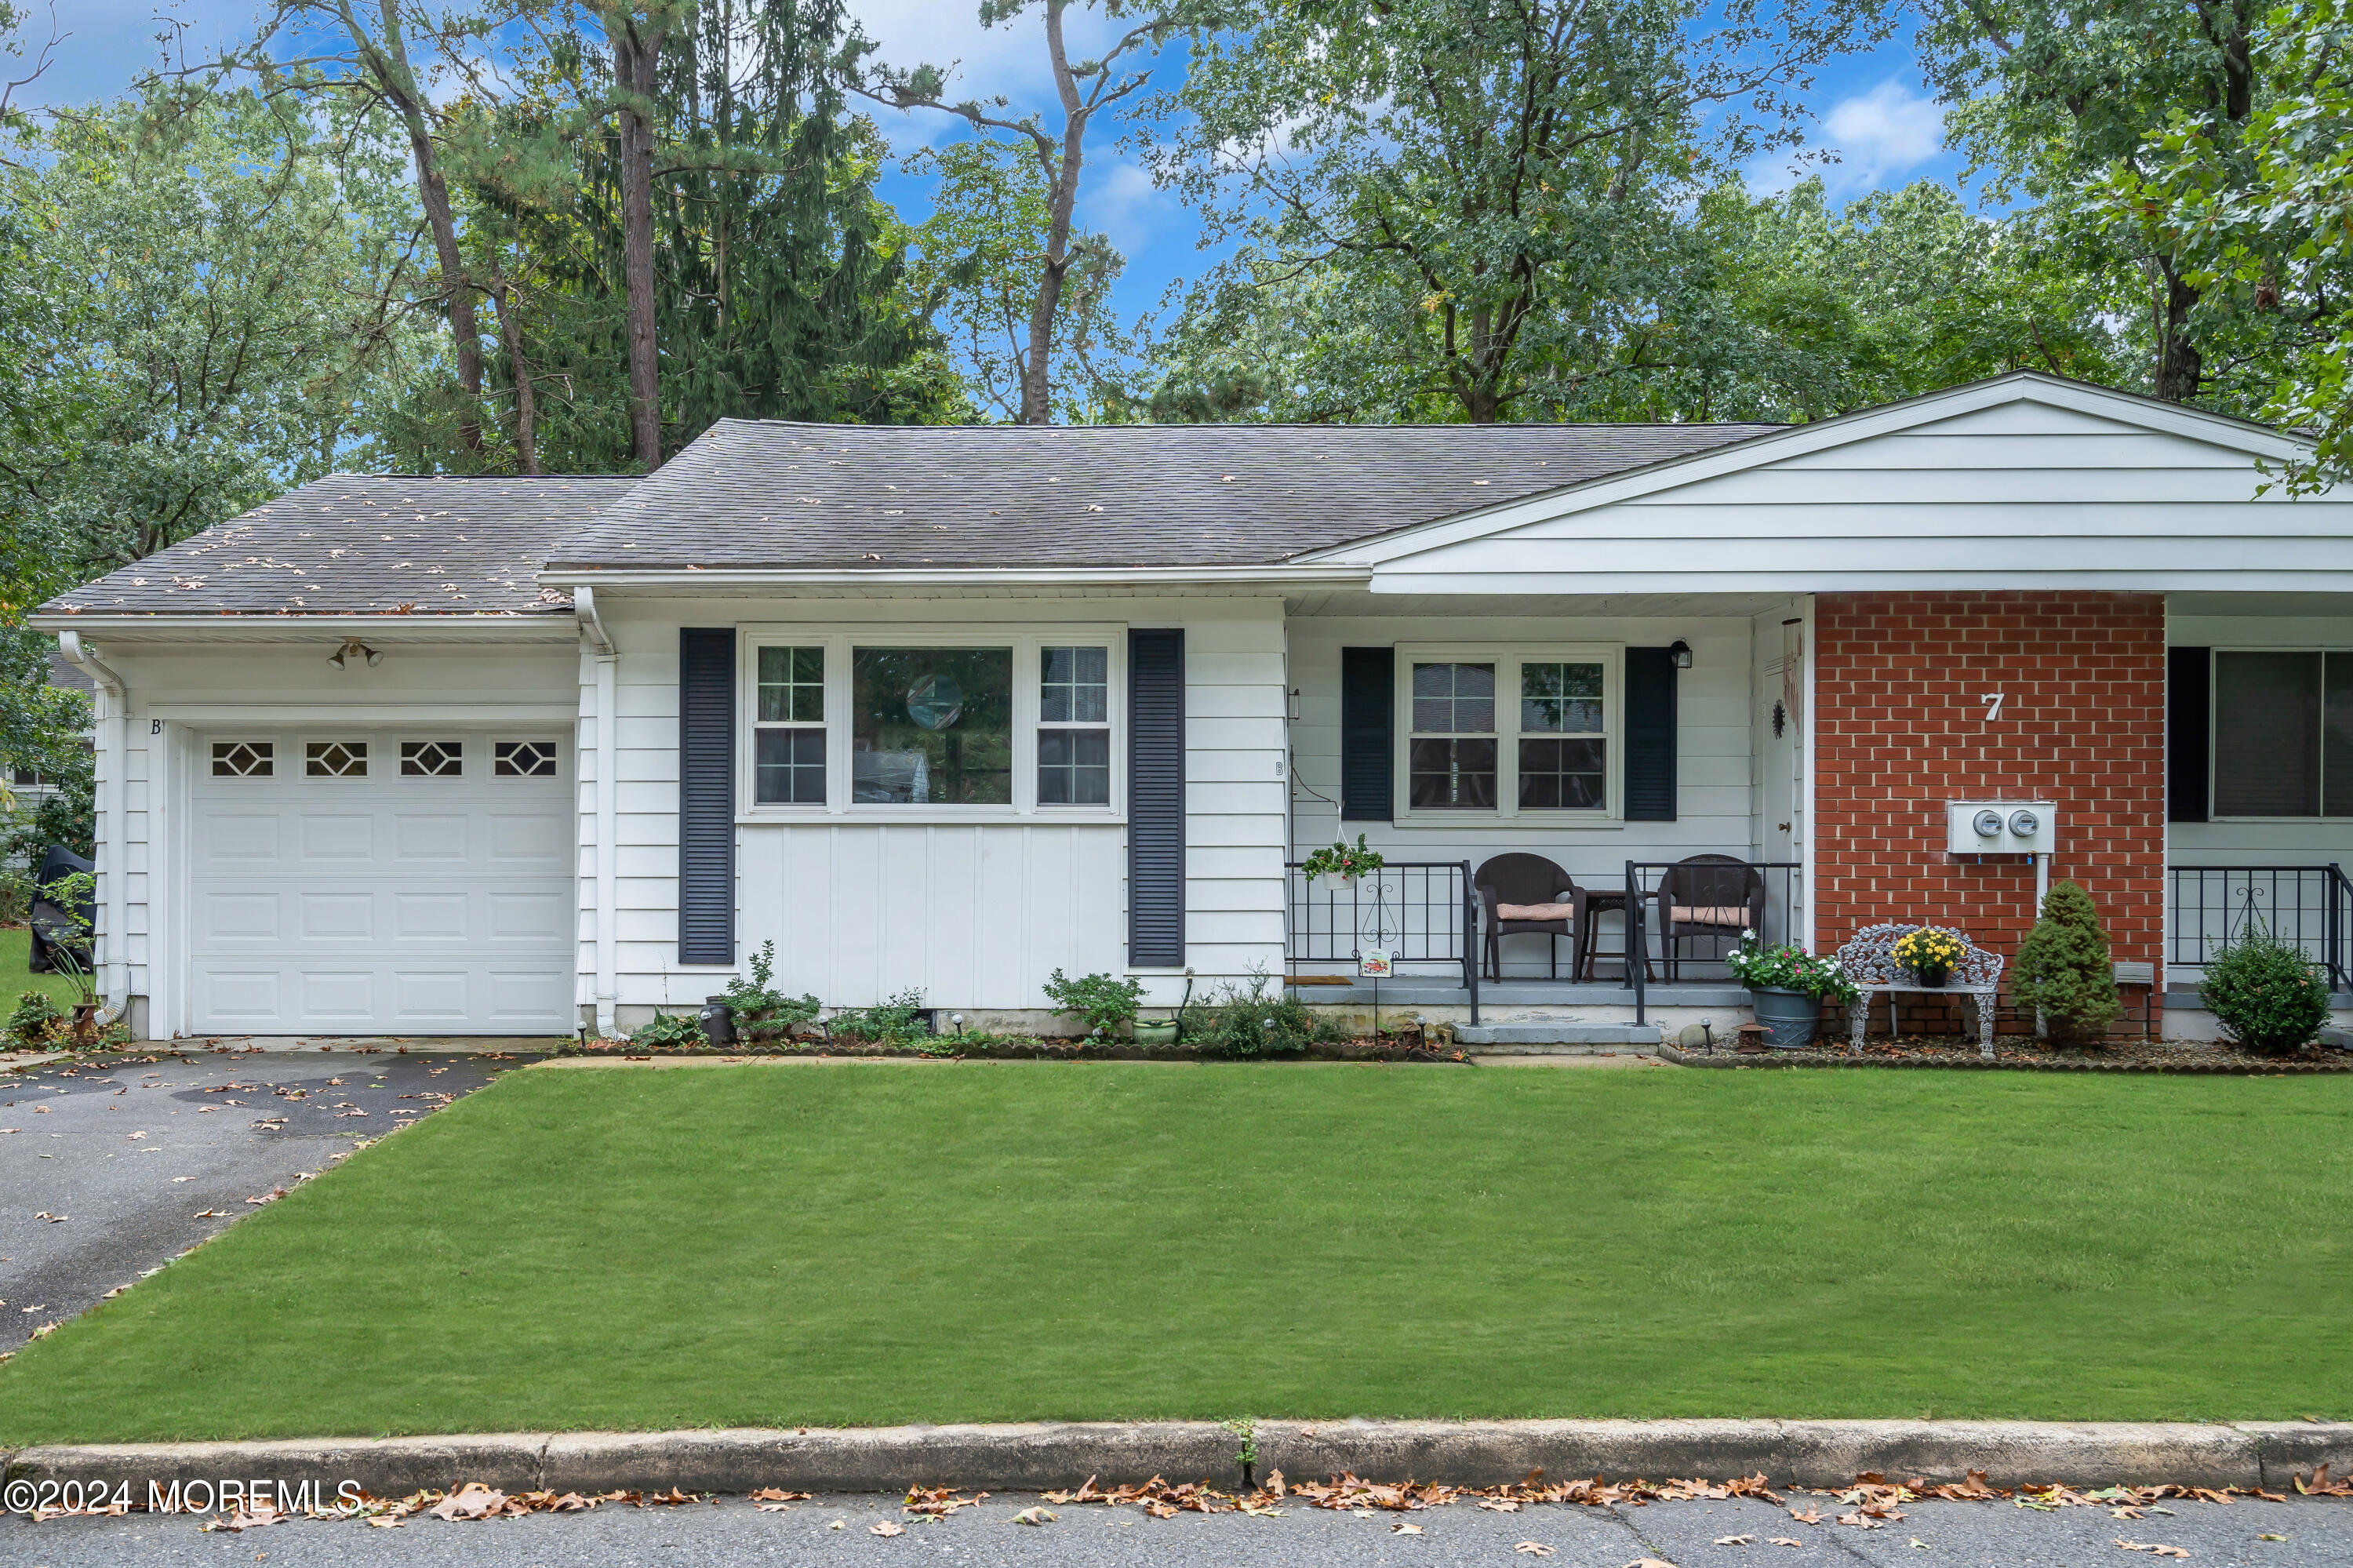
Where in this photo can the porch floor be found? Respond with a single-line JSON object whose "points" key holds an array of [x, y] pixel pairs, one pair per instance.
{"points": [[1431, 991]]}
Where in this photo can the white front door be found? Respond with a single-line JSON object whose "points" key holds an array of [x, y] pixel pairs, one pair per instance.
{"points": [[357, 880]]}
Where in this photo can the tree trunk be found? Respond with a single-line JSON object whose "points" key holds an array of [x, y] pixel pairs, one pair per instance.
{"points": [[637, 45], [502, 299], [2179, 365], [1037, 380]]}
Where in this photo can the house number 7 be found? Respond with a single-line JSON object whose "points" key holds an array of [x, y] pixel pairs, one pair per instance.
{"points": [[1992, 700]]}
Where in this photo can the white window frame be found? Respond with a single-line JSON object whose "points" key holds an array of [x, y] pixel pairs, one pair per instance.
{"points": [[1507, 658], [838, 641], [2213, 700]]}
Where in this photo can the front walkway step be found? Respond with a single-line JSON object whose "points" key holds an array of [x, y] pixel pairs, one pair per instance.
{"points": [[1538, 1034]]}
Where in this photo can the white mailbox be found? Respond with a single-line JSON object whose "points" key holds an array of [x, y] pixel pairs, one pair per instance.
{"points": [[2001, 827]]}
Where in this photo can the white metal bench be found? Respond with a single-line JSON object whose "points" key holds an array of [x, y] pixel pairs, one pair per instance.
{"points": [[1870, 961]]}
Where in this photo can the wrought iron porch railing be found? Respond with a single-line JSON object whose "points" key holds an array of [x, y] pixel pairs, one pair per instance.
{"points": [[1646, 941], [1422, 913], [2208, 907]]}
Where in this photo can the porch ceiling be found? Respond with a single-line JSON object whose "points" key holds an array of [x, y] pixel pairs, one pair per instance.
{"points": [[1360, 602]]}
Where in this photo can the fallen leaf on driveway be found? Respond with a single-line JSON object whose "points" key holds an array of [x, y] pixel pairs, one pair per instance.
{"points": [[777, 1495], [888, 1527], [1649, 1563], [182, 1178], [241, 1520], [1917, 1544], [472, 1500], [1499, 1505], [1035, 1516], [773, 1507], [271, 1197], [1534, 1548], [1786, 1541], [1405, 1529], [1860, 1522], [2151, 1546], [838, 1524], [53, 1219], [134, 1137], [40, 1110], [2271, 1538], [1811, 1515], [1735, 1540], [208, 1214]]}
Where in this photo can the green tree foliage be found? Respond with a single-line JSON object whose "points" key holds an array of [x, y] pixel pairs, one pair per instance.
{"points": [[2053, 94], [2064, 972], [2260, 211], [1489, 202]]}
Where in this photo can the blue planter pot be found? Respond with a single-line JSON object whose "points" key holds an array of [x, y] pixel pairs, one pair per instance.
{"points": [[1790, 1017]]}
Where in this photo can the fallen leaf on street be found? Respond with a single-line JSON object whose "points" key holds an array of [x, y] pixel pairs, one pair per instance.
{"points": [[1786, 1541], [182, 1178], [134, 1137], [53, 1219], [888, 1527], [2271, 1538], [1918, 1543], [776, 1495], [1035, 1516], [1649, 1563], [1499, 1505], [241, 1520], [1811, 1515], [1534, 1548], [2151, 1546], [1860, 1522], [838, 1524], [208, 1214], [938, 1502], [1735, 1540], [1402, 1529]]}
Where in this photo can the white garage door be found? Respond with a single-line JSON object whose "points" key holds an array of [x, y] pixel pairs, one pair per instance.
{"points": [[358, 880]]}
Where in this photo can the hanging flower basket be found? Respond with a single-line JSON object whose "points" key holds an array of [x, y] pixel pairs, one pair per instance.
{"points": [[1336, 868]]}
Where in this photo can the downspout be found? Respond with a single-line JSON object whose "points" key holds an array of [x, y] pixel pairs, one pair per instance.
{"points": [[113, 745], [607, 658]]}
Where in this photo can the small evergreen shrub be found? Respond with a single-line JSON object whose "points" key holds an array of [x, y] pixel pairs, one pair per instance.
{"points": [[2063, 970], [2266, 995], [1107, 1005]]}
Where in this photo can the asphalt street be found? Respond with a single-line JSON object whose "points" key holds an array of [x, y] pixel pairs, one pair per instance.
{"points": [[112, 1167], [1685, 1534]]}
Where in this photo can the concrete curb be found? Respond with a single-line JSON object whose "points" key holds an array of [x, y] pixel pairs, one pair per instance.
{"points": [[1033, 1456]]}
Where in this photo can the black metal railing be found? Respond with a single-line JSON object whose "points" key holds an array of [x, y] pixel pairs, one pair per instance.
{"points": [[2208, 907], [1422, 912], [1645, 917]]}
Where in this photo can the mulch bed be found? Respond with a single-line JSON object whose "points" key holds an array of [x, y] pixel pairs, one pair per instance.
{"points": [[1363, 1049], [2022, 1052]]}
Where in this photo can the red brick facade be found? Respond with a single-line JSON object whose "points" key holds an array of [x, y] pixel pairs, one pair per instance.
{"points": [[1900, 683]]}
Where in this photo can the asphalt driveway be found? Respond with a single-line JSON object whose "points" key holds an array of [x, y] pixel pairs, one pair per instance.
{"points": [[110, 1167], [1736, 1534]]}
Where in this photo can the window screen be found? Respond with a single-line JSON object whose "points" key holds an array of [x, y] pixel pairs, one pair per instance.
{"points": [[2267, 748]]}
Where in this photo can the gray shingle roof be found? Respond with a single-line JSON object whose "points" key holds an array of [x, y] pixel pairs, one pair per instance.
{"points": [[359, 545], [768, 494]]}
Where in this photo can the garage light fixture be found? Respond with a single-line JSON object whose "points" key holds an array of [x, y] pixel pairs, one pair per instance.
{"points": [[353, 648]]}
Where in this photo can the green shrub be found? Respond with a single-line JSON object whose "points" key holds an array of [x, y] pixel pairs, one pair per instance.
{"points": [[1245, 1021], [668, 1032], [2266, 995], [894, 1021], [2063, 970], [1107, 1005], [752, 1000], [37, 1020]]}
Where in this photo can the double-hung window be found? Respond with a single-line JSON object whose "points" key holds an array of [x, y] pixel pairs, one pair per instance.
{"points": [[2283, 729], [789, 728], [1505, 732], [970, 722]]}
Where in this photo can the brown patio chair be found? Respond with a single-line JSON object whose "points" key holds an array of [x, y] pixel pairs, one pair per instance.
{"points": [[1718, 896], [1519, 882]]}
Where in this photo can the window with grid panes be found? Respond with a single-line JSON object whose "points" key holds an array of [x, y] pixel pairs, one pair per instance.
{"points": [[789, 728]]}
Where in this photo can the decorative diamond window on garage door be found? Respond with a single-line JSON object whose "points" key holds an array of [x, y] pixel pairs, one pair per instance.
{"points": [[341, 898]]}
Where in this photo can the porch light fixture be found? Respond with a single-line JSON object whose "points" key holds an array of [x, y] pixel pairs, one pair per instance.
{"points": [[1680, 652], [353, 648]]}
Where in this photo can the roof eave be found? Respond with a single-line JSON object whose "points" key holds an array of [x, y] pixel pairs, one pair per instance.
{"points": [[702, 580]]}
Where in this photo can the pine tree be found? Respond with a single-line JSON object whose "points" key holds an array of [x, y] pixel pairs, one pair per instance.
{"points": [[2064, 972]]}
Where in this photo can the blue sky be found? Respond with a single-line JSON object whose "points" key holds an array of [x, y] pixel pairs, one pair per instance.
{"points": [[1873, 111]]}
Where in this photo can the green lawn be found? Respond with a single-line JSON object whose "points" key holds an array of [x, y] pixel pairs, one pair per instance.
{"points": [[16, 980], [856, 1244]]}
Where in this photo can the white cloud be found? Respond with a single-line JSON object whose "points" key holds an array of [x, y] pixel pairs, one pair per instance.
{"points": [[1007, 60], [1882, 135]]}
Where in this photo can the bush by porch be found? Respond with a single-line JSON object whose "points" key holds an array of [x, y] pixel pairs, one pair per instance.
{"points": [[873, 1243]]}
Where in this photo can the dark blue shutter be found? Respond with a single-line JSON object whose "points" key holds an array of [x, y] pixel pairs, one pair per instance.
{"points": [[2188, 725], [1367, 736], [1649, 734], [706, 795], [1155, 799]]}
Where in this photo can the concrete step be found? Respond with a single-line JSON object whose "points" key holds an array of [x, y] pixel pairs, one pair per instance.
{"points": [[1540, 1033]]}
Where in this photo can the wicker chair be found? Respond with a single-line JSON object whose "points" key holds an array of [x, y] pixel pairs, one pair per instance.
{"points": [[1717, 895], [1521, 880]]}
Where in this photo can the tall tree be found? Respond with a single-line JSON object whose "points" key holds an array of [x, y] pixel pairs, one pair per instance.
{"points": [[634, 31], [2050, 94], [1085, 88], [1501, 188], [2258, 213]]}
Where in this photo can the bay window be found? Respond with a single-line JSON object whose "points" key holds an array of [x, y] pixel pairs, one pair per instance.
{"points": [[1506, 732], [965, 722]]}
